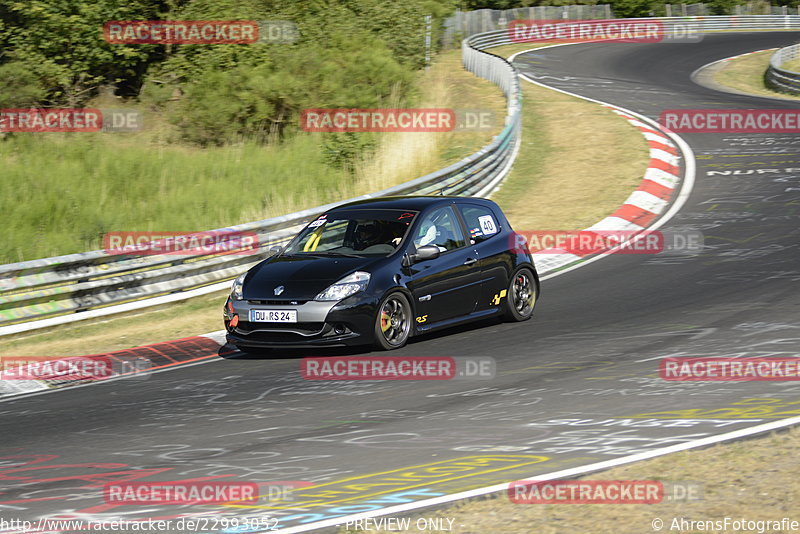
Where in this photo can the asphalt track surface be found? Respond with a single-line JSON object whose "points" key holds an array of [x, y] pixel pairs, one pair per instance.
{"points": [[576, 385]]}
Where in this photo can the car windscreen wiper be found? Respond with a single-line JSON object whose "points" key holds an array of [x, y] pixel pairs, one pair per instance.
{"points": [[335, 253]]}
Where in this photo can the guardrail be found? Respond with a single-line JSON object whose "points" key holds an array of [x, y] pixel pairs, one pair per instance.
{"points": [[46, 292], [63, 289], [780, 78], [702, 24]]}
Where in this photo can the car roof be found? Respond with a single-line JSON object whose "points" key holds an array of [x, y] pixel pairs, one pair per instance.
{"points": [[415, 203]]}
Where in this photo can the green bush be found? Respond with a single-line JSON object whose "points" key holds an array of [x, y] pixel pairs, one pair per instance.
{"points": [[351, 53], [60, 43], [19, 87], [256, 101]]}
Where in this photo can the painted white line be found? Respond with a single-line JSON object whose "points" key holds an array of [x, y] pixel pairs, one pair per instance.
{"points": [[138, 376], [118, 308], [554, 261], [218, 336], [649, 359], [564, 473], [647, 201], [697, 70], [640, 124], [650, 136], [686, 189], [662, 177], [618, 112], [690, 165], [554, 250], [724, 89], [611, 224], [657, 153]]}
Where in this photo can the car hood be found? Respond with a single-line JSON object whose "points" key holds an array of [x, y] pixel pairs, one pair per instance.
{"points": [[302, 277]]}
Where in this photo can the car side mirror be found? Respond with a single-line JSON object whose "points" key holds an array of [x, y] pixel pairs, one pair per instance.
{"points": [[275, 250], [427, 252]]}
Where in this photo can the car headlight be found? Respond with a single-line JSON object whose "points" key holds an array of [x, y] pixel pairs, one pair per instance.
{"points": [[236, 288], [349, 285]]}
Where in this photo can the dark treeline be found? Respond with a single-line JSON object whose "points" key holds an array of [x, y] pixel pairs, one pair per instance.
{"points": [[351, 53], [623, 8]]}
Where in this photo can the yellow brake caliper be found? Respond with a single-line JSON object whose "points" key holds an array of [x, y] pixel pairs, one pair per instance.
{"points": [[386, 321]]}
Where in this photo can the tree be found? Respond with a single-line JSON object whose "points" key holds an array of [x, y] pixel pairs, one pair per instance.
{"points": [[60, 43]]}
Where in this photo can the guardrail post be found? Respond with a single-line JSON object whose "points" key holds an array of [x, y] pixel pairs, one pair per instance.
{"points": [[57, 287]]}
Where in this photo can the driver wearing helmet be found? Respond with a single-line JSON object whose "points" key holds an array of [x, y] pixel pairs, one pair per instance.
{"points": [[366, 236]]}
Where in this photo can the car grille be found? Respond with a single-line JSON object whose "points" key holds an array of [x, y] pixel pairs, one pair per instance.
{"points": [[271, 329], [277, 302]]}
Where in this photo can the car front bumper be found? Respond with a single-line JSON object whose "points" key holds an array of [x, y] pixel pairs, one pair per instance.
{"points": [[348, 322]]}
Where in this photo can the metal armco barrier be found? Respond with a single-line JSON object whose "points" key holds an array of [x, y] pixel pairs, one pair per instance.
{"points": [[780, 78], [39, 293], [44, 292], [703, 24]]}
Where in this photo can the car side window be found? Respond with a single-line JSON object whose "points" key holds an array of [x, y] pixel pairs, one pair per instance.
{"points": [[440, 228], [481, 222]]}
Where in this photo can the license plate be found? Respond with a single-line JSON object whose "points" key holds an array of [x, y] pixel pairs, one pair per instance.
{"points": [[273, 316]]}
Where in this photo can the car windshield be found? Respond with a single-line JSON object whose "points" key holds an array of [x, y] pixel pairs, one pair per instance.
{"points": [[353, 233]]}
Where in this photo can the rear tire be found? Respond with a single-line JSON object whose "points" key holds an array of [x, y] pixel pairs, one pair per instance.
{"points": [[393, 322], [521, 295]]}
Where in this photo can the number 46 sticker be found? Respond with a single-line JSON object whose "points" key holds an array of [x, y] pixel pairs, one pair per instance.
{"points": [[487, 224]]}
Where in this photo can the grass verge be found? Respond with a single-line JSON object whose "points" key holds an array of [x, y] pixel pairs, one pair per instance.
{"points": [[62, 192], [194, 316], [555, 184], [578, 161], [754, 480], [746, 74]]}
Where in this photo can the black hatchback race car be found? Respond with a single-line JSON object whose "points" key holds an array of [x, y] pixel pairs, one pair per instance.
{"points": [[382, 270]]}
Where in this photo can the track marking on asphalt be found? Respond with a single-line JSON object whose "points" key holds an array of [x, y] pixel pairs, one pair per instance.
{"points": [[680, 201], [690, 166], [685, 191], [572, 472], [687, 185], [138, 376], [686, 188], [401, 479]]}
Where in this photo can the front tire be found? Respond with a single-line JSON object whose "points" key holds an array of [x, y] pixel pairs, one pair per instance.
{"points": [[521, 295], [393, 322]]}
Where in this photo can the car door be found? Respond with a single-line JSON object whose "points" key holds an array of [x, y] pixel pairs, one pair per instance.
{"points": [[449, 286], [491, 245]]}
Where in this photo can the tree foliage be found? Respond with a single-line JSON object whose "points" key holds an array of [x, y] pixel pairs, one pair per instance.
{"points": [[59, 43], [351, 53]]}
